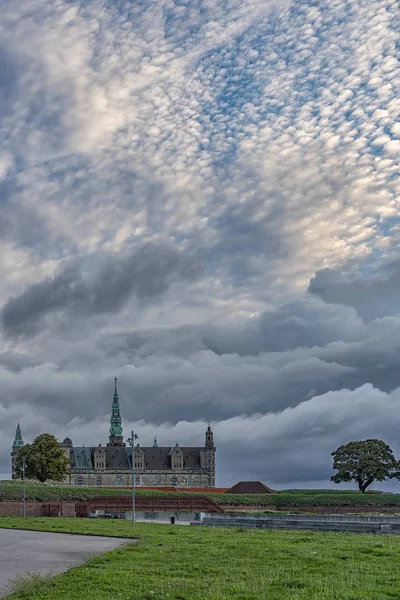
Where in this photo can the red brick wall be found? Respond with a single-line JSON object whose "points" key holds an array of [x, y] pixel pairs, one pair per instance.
{"points": [[68, 509], [33, 509]]}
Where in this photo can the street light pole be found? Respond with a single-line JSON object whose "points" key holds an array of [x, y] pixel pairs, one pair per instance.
{"points": [[23, 486], [131, 442]]}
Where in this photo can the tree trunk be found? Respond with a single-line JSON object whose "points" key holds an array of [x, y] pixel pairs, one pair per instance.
{"points": [[364, 484]]}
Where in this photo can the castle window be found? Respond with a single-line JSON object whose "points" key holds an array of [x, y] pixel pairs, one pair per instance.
{"points": [[79, 480], [137, 479], [174, 480], [99, 480], [118, 480]]}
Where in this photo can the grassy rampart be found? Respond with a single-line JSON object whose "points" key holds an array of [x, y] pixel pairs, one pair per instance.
{"points": [[12, 490], [299, 499]]}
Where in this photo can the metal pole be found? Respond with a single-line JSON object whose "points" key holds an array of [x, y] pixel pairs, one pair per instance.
{"points": [[23, 486], [133, 478], [131, 442]]}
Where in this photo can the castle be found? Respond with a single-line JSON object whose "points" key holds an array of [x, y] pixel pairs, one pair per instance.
{"points": [[154, 466]]}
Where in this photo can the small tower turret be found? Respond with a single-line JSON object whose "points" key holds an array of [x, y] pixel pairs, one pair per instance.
{"points": [[155, 443], [66, 446], [209, 438]]}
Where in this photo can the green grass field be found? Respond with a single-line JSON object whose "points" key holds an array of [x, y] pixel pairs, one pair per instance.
{"points": [[199, 563]]}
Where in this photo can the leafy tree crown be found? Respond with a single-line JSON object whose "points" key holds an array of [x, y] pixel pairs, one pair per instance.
{"points": [[44, 459], [364, 462]]}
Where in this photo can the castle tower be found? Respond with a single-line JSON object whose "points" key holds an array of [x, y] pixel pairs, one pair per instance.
{"points": [[210, 457], [100, 458], [116, 437], [66, 446], [17, 444], [139, 457], [176, 458]]}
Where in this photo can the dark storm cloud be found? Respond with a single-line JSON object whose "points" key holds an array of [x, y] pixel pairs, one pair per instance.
{"points": [[292, 445], [305, 322], [23, 315], [269, 385], [146, 274], [302, 349], [373, 296]]}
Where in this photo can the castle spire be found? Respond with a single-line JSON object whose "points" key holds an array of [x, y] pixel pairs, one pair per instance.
{"points": [[155, 443], [116, 437], [18, 441]]}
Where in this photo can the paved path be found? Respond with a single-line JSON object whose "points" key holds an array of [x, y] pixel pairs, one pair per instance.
{"points": [[41, 552]]}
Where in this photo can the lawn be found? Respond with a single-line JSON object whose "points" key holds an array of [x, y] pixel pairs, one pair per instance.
{"points": [[199, 563]]}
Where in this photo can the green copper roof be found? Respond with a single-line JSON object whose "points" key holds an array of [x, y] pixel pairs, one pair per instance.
{"points": [[18, 442], [116, 421], [155, 443]]}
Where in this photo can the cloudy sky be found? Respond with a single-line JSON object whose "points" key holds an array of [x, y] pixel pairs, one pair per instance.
{"points": [[202, 198]]}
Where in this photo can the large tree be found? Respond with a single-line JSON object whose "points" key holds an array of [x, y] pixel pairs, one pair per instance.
{"points": [[364, 462], [44, 459]]}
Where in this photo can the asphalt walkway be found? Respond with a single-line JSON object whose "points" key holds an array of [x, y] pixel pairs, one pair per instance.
{"points": [[41, 552]]}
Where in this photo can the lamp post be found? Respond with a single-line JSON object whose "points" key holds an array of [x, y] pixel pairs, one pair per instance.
{"points": [[23, 486], [131, 442]]}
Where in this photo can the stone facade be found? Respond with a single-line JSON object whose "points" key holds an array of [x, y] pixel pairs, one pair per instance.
{"points": [[184, 479], [154, 466]]}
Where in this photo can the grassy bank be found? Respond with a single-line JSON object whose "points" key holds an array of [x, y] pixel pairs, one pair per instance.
{"points": [[43, 492], [300, 499], [12, 490], [194, 563]]}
